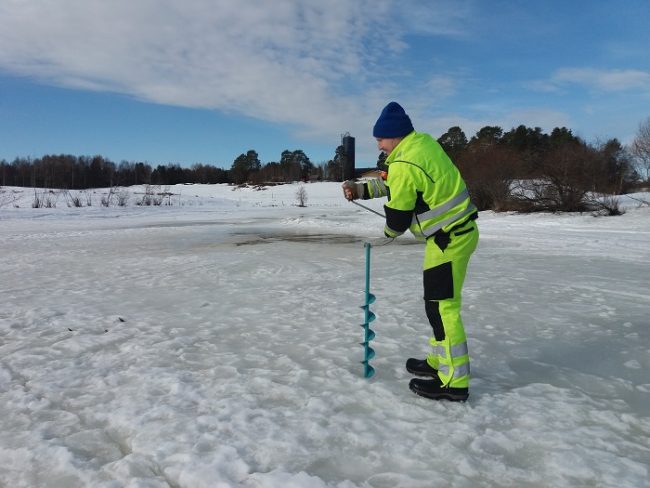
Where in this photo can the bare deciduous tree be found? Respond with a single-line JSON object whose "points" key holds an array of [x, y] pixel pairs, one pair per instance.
{"points": [[45, 199], [301, 195], [152, 196], [641, 147], [73, 199], [489, 172], [107, 199], [561, 186], [606, 204], [122, 197]]}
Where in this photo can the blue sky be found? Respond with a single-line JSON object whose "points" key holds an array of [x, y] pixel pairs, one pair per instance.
{"points": [[202, 81]]}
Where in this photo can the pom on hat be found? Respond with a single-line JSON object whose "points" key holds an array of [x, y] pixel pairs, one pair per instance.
{"points": [[393, 122]]}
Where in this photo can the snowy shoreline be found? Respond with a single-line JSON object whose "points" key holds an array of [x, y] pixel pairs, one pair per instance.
{"points": [[215, 343]]}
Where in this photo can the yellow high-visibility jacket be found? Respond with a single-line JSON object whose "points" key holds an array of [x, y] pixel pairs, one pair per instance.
{"points": [[425, 190]]}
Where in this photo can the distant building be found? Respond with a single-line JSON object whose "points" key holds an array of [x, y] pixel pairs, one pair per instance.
{"points": [[367, 173]]}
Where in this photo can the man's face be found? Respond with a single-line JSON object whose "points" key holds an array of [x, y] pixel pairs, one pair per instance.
{"points": [[387, 145]]}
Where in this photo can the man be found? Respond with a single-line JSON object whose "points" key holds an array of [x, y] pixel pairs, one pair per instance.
{"points": [[427, 195]]}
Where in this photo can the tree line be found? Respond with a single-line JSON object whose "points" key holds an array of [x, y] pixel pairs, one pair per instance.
{"points": [[70, 172], [521, 169]]}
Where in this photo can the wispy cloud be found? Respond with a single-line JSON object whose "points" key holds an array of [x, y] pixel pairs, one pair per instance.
{"points": [[543, 86], [313, 65], [604, 80], [440, 86]]}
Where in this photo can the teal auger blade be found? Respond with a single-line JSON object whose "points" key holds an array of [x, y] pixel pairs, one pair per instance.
{"points": [[370, 335], [370, 316], [368, 371], [370, 352], [370, 299]]}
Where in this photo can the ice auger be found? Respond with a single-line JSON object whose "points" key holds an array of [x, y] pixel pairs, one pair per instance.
{"points": [[368, 333]]}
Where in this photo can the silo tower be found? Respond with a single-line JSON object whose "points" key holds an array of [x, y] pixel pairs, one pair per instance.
{"points": [[347, 141]]}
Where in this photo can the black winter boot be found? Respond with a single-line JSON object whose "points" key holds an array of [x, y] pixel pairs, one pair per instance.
{"points": [[420, 367], [433, 389]]}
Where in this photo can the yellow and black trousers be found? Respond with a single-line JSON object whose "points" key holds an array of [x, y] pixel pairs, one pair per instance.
{"points": [[446, 258]]}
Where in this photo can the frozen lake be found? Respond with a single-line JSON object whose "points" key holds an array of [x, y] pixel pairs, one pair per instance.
{"points": [[215, 343]]}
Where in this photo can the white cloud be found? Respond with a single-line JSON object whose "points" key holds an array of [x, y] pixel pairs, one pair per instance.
{"points": [[441, 86], [605, 80], [443, 17], [544, 86], [313, 65]]}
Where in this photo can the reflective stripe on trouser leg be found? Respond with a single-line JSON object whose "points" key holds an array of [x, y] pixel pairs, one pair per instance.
{"points": [[443, 305], [450, 356]]}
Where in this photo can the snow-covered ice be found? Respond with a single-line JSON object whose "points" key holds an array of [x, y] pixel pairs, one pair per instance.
{"points": [[214, 343]]}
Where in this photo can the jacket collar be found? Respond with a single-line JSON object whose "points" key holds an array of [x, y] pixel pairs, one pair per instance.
{"points": [[397, 152]]}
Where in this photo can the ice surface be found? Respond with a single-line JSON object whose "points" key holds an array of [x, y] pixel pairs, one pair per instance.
{"points": [[214, 343]]}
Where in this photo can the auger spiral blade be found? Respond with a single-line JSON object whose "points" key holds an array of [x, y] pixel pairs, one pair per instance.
{"points": [[369, 316], [368, 371], [369, 335], [369, 352]]}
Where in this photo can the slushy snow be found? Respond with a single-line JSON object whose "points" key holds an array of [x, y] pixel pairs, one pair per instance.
{"points": [[215, 343]]}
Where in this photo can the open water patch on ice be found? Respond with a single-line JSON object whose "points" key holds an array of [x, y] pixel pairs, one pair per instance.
{"points": [[255, 238]]}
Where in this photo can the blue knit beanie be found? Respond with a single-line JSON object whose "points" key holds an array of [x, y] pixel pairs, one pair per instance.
{"points": [[393, 122]]}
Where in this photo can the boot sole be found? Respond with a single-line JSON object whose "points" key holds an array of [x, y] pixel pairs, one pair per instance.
{"points": [[452, 397]]}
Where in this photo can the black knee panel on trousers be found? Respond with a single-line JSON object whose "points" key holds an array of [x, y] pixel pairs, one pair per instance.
{"points": [[433, 314], [438, 285], [439, 282]]}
